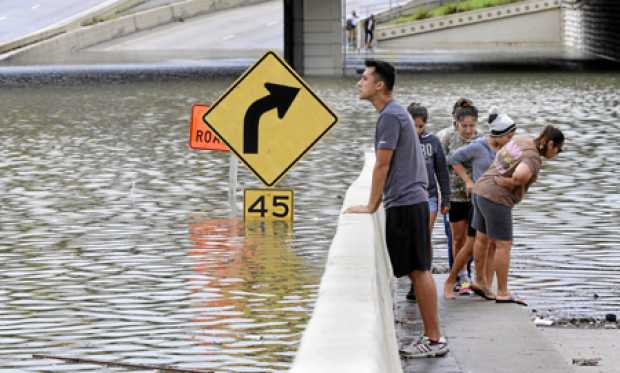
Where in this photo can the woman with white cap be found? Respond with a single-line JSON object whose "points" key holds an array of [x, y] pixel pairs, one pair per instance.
{"points": [[479, 155]]}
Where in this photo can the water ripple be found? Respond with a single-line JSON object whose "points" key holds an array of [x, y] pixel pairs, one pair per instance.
{"points": [[118, 243]]}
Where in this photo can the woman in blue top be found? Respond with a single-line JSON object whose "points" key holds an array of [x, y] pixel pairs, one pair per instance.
{"points": [[479, 155]]}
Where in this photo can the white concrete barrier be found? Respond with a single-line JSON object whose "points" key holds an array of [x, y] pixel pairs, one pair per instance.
{"points": [[352, 326]]}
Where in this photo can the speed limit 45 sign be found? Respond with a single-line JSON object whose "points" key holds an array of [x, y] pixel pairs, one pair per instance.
{"points": [[268, 204]]}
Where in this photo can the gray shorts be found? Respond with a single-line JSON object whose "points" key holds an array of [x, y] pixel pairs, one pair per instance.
{"points": [[492, 219]]}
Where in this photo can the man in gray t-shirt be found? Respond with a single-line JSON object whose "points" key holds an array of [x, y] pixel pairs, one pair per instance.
{"points": [[407, 178], [399, 178]]}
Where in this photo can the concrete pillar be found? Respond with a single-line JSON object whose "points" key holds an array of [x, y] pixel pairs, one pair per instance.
{"points": [[294, 34], [322, 37]]}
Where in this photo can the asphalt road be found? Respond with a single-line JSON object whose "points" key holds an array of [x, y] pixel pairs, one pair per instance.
{"points": [[19, 18], [247, 28]]}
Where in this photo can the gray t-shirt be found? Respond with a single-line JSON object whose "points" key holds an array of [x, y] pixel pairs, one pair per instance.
{"points": [[407, 179], [478, 154]]}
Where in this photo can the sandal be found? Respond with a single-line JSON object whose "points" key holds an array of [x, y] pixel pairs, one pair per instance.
{"points": [[482, 293], [518, 301]]}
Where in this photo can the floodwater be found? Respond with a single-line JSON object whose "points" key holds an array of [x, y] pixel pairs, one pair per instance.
{"points": [[118, 242]]}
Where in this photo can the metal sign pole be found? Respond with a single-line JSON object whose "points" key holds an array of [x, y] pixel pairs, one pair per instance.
{"points": [[232, 183]]}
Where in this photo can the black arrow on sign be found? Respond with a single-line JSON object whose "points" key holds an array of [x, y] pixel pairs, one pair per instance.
{"points": [[280, 97]]}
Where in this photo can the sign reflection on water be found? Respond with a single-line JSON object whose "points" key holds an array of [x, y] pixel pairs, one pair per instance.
{"points": [[251, 286]]}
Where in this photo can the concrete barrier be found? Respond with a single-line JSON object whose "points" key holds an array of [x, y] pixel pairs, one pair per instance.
{"points": [[56, 47], [89, 16], [352, 326]]}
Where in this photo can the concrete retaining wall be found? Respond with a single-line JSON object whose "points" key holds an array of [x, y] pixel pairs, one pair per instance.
{"points": [[539, 23], [71, 42], [601, 28], [352, 326], [572, 25]]}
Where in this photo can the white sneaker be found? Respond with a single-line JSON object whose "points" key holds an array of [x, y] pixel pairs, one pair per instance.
{"points": [[424, 348]]}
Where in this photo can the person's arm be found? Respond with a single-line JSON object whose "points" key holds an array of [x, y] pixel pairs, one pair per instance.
{"points": [[441, 170], [462, 155], [522, 174], [379, 175], [460, 170]]}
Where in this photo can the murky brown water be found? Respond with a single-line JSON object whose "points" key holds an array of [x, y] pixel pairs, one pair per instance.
{"points": [[117, 241]]}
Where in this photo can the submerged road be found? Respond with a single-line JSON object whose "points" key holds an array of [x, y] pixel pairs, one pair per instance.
{"points": [[19, 18], [239, 29]]}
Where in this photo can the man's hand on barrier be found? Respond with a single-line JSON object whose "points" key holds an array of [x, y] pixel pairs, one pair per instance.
{"points": [[358, 210]]}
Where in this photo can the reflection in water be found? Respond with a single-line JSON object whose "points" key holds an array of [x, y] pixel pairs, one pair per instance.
{"points": [[254, 296], [99, 191]]}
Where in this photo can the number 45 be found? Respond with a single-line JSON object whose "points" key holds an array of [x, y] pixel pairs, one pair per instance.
{"points": [[281, 205]]}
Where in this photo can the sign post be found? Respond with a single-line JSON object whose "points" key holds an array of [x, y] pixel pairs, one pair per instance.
{"points": [[201, 137]]}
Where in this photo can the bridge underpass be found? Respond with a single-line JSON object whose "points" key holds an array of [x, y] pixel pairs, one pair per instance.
{"points": [[313, 39], [587, 32]]}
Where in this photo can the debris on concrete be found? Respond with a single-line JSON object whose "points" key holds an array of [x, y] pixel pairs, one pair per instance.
{"points": [[587, 362], [539, 321], [610, 317]]}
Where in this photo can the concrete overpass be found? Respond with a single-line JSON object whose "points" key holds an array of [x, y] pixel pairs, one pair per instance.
{"points": [[313, 32]]}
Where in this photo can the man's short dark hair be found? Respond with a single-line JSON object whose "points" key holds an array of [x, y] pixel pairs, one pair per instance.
{"points": [[384, 72]]}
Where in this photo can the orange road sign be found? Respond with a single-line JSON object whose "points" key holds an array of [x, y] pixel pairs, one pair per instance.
{"points": [[201, 137]]}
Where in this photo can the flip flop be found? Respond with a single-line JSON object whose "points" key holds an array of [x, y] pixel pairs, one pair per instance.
{"points": [[480, 292], [518, 301]]}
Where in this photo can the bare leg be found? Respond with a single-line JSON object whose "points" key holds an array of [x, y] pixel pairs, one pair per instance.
{"points": [[459, 235], [481, 248], [490, 264], [459, 263], [427, 302], [431, 224], [502, 267]]}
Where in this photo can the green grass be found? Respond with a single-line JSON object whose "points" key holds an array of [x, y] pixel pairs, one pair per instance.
{"points": [[450, 8]]}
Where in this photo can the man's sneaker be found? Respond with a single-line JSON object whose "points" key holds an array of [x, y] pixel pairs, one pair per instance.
{"points": [[423, 347], [423, 338], [465, 288], [411, 295]]}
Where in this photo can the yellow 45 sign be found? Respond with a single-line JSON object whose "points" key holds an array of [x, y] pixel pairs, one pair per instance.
{"points": [[268, 204]]}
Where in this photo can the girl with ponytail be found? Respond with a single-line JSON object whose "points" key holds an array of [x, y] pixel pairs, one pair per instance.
{"points": [[465, 120]]}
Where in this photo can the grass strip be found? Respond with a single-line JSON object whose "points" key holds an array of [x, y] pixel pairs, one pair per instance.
{"points": [[450, 8]]}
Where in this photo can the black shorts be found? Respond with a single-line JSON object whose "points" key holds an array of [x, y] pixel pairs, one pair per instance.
{"points": [[462, 211], [408, 238]]}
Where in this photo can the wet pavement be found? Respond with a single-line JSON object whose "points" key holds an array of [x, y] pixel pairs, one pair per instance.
{"points": [[482, 336]]}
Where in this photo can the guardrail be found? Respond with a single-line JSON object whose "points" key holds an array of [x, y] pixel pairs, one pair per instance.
{"points": [[352, 326], [83, 37], [461, 19], [90, 16]]}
